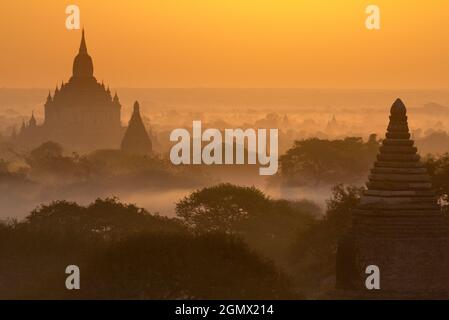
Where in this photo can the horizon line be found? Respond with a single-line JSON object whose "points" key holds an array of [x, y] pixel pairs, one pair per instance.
{"points": [[242, 88]]}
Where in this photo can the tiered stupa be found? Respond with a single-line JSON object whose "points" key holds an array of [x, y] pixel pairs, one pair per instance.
{"points": [[398, 225]]}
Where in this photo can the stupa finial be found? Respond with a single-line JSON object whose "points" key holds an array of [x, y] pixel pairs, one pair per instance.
{"points": [[398, 108]]}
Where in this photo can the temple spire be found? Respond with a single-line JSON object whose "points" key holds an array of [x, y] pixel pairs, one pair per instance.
{"points": [[398, 108], [32, 122], [398, 126], [83, 46], [83, 66], [116, 99]]}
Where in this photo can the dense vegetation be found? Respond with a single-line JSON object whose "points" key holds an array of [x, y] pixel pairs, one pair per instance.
{"points": [[226, 241], [126, 253], [316, 161]]}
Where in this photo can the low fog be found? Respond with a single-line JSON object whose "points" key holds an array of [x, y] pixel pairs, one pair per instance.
{"points": [[158, 185]]}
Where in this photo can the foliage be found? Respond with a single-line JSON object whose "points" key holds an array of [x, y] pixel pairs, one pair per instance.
{"points": [[315, 161], [265, 224], [154, 266], [104, 218], [47, 164], [125, 252], [314, 252], [221, 208], [46, 150], [340, 208], [438, 168]]}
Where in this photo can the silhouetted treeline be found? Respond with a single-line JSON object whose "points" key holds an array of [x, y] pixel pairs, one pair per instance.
{"points": [[226, 242], [126, 253], [48, 163]]}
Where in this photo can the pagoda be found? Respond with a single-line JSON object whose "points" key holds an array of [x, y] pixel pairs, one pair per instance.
{"points": [[398, 225], [136, 140], [82, 115]]}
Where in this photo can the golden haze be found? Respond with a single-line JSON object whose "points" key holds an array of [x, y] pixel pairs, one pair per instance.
{"points": [[230, 43]]}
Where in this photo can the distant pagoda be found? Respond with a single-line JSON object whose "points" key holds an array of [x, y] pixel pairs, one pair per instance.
{"points": [[82, 115], [136, 140], [398, 225]]}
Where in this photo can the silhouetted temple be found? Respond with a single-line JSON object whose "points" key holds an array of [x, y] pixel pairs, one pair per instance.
{"points": [[82, 114], [398, 225], [136, 140]]}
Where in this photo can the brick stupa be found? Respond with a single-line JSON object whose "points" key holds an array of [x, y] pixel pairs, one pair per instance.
{"points": [[398, 225]]}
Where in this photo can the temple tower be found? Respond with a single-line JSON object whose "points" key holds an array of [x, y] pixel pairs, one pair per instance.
{"points": [[136, 140], [82, 115], [83, 66], [398, 225]]}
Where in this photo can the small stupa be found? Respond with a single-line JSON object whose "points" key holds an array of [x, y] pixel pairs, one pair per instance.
{"points": [[136, 140], [398, 225]]}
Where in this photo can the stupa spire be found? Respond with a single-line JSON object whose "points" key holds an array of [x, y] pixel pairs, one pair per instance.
{"points": [[136, 109], [83, 46], [83, 66], [398, 108], [116, 99], [32, 120]]}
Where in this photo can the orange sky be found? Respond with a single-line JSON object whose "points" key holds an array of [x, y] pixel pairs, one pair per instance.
{"points": [[229, 43]]}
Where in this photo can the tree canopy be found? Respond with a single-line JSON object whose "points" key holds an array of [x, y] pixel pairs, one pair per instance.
{"points": [[315, 161], [125, 252]]}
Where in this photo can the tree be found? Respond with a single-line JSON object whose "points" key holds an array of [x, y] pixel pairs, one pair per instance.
{"points": [[161, 266], [47, 163], [269, 226], [438, 168], [319, 161], [46, 150], [104, 218], [340, 208], [126, 253], [221, 208], [314, 252]]}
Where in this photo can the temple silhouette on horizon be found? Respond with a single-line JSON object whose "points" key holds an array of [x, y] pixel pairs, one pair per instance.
{"points": [[82, 114], [398, 225], [136, 140]]}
